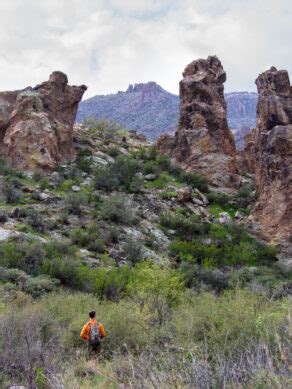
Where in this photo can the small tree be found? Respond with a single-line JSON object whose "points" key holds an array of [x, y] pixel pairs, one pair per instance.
{"points": [[157, 290]]}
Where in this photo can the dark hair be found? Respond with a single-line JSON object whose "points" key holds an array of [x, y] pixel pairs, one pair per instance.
{"points": [[92, 314]]}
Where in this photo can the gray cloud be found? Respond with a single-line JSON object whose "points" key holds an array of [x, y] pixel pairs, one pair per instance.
{"points": [[109, 44]]}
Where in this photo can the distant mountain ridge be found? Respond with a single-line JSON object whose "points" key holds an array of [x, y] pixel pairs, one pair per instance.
{"points": [[151, 110], [147, 108]]}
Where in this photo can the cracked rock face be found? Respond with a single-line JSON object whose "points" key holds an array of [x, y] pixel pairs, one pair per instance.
{"points": [[36, 124], [272, 150], [203, 142]]}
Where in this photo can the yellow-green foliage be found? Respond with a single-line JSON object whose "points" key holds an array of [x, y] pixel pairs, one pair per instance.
{"points": [[202, 330], [231, 322], [156, 290]]}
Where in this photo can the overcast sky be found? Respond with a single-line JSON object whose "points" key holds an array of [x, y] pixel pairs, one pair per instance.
{"points": [[108, 44]]}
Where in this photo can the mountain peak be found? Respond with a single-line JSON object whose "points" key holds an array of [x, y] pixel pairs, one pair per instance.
{"points": [[150, 86]]}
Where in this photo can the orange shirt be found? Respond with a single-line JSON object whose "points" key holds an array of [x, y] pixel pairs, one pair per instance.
{"points": [[85, 332]]}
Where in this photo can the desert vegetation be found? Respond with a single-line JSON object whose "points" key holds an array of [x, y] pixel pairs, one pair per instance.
{"points": [[186, 300]]}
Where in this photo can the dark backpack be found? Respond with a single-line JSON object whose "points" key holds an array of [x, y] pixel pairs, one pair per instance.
{"points": [[94, 339]]}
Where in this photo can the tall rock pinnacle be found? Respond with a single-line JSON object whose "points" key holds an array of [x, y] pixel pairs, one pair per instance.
{"points": [[203, 142]]}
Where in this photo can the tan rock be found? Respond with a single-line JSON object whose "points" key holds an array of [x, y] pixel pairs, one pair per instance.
{"points": [[36, 124], [184, 194]]}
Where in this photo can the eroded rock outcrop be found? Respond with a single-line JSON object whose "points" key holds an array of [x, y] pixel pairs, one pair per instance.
{"points": [[203, 142], [36, 124], [272, 149]]}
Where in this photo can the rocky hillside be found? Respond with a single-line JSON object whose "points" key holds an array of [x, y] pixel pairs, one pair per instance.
{"points": [[152, 111], [124, 231], [170, 261]]}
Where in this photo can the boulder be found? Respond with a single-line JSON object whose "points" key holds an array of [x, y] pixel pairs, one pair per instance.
{"points": [[75, 188], [201, 196], [184, 194], [6, 234], [36, 124], [224, 218], [203, 142], [198, 201], [150, 177], [44, 196]]}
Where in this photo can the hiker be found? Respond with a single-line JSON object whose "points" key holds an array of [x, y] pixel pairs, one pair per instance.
{"points": [[93, 332]]}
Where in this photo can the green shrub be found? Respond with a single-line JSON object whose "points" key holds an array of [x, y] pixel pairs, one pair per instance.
{"points": [[117, 209], [133, 251], [124, 169], [156, 290], [24, 255], [112, 234], [268, 277], [152, 152], [35, 220], [38, 286], [156, 166], [122, 173], [186, 227], [33, 257], [150, 167], [7, 171], [80, 237], [103, 180], [113, 151], [97, 245], [246, 195], [219, 198], [84, 163], [12, 275], [111, 284], [38, 175], [167, 195], [35, 286], [195, 252], [44, 183], [64, 269], [104, 128], [233, 322], [4, 166], [75, 201], [195, 180], [161, 182], [66, 185], [226, 245], [12, 194]]}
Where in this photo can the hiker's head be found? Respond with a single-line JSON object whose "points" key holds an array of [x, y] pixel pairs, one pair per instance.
{"points": [[92, 314]]}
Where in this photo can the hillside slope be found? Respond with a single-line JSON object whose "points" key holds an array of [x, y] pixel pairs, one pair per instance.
{"points": [[151, 248]]}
